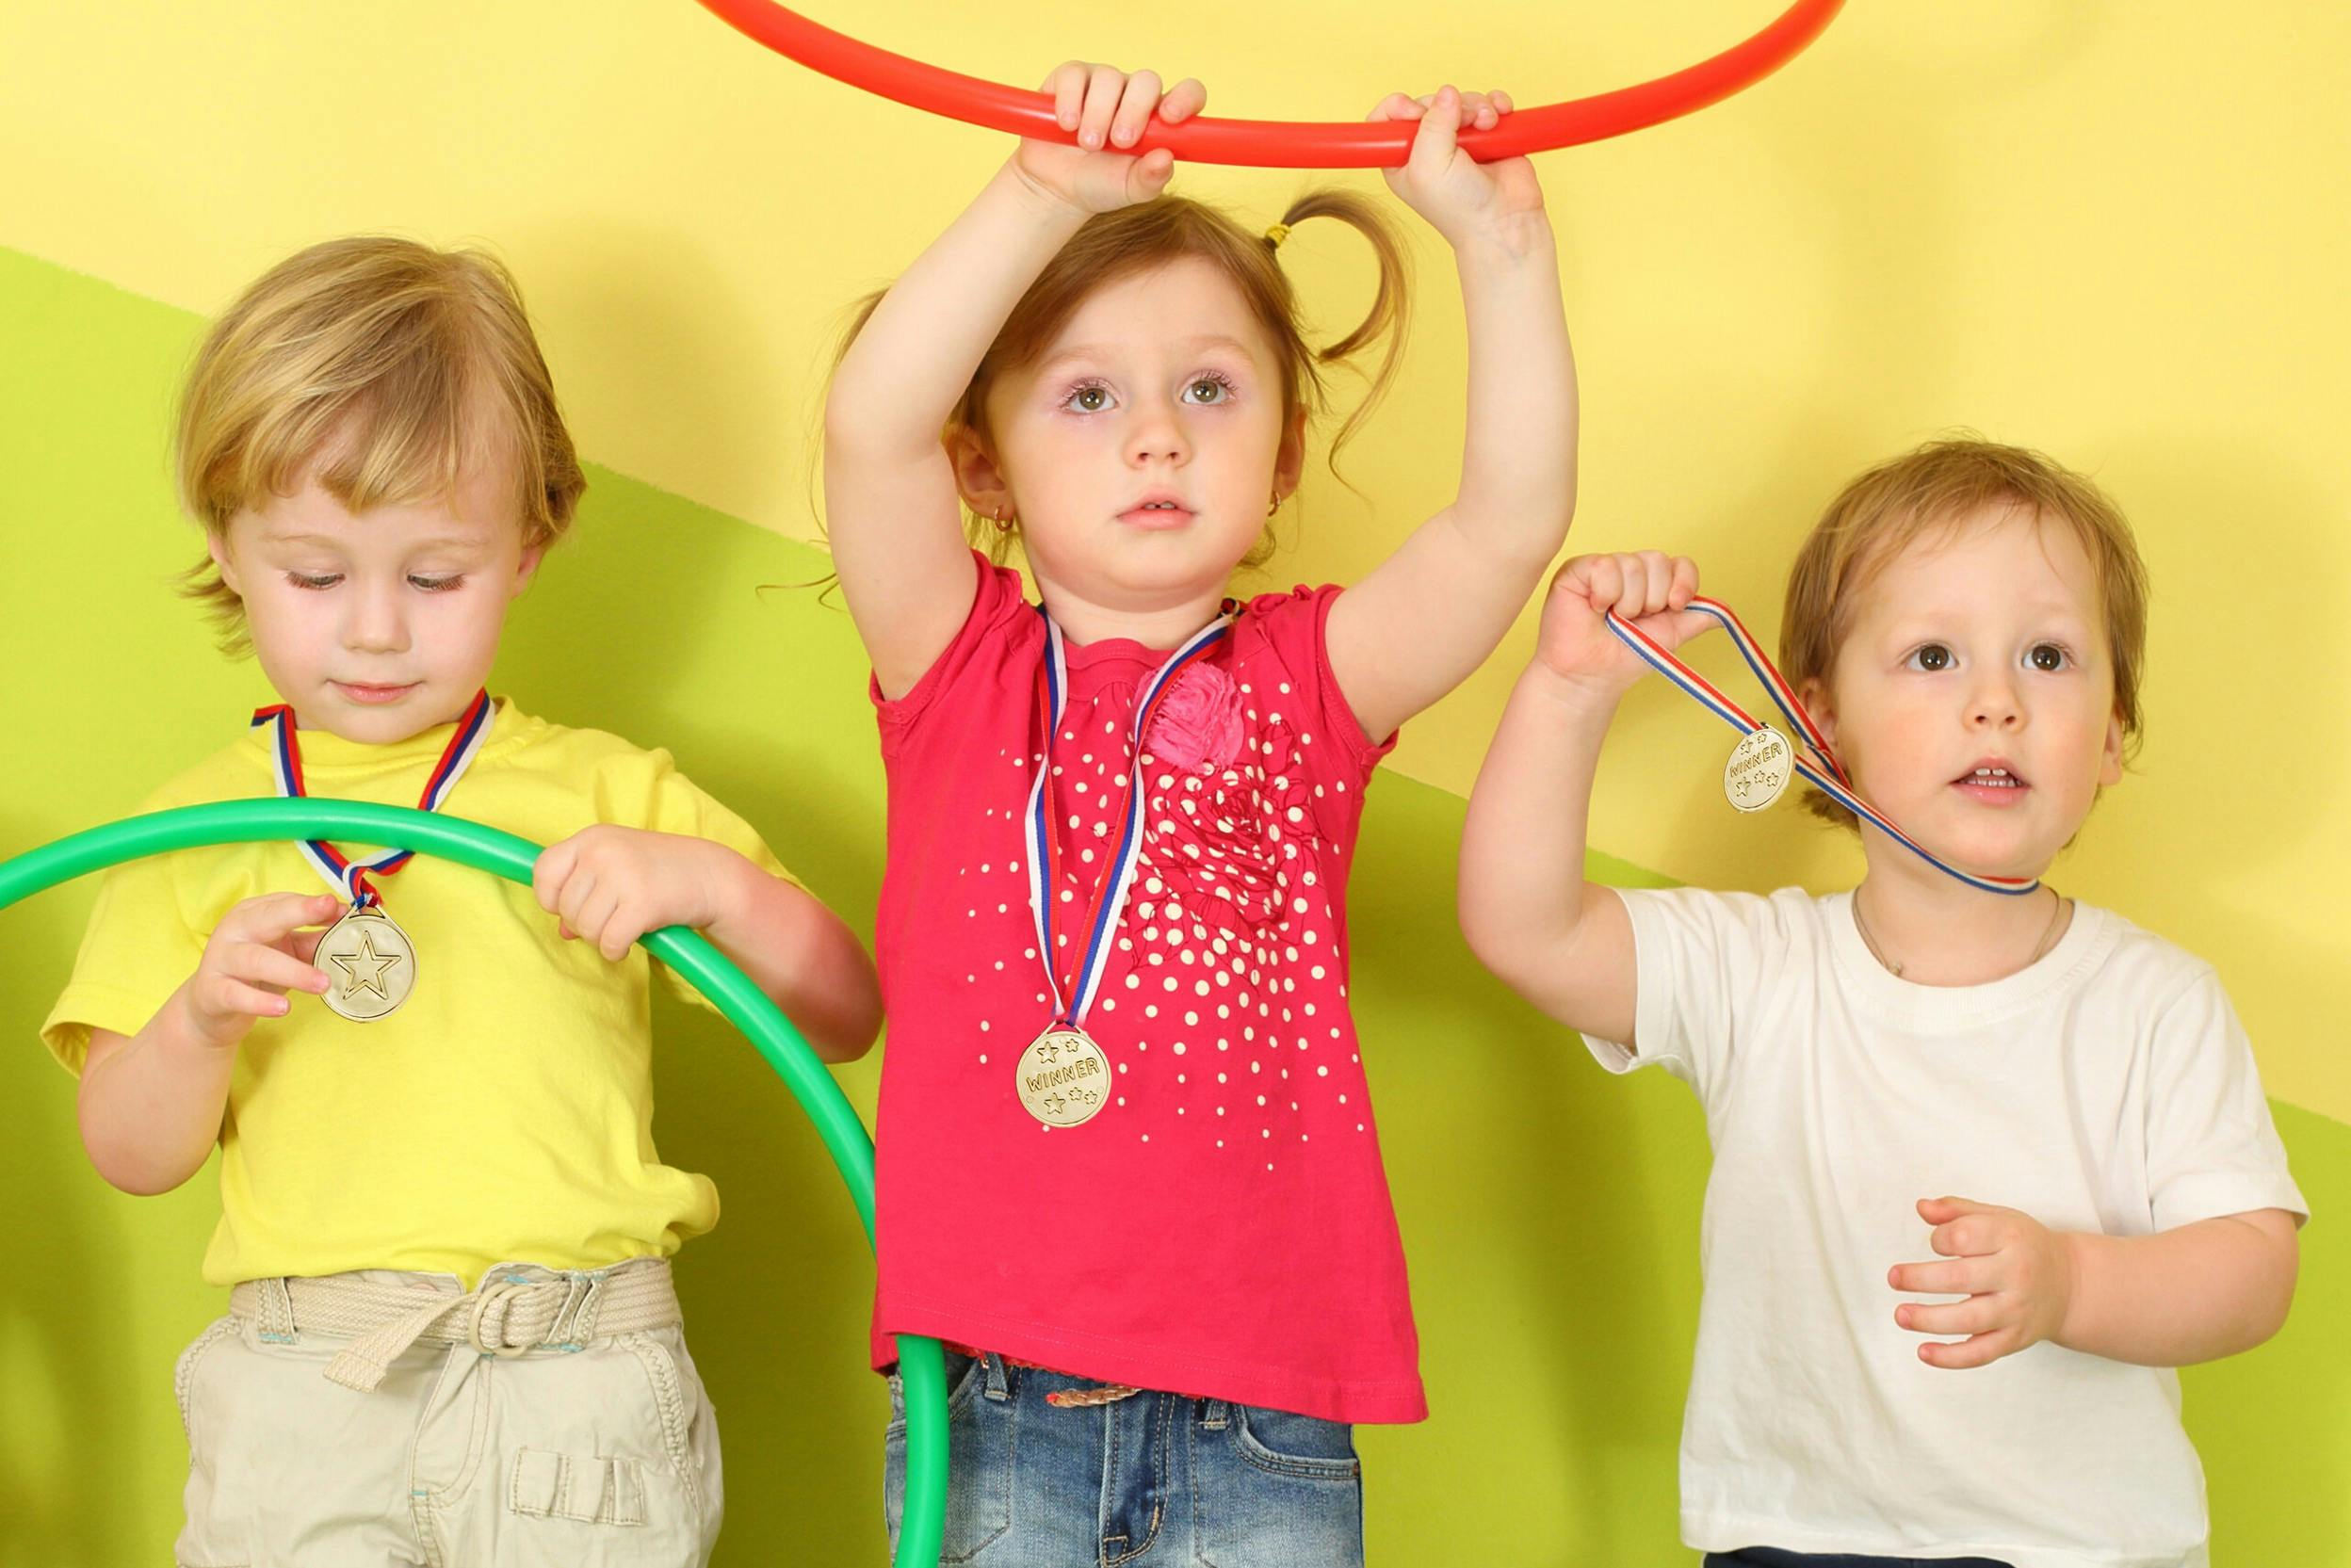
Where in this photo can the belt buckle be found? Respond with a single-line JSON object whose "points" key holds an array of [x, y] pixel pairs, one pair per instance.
{"points": [[505, 1290]]}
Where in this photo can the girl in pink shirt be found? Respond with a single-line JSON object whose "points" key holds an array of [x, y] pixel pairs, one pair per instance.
{"points": [[1128, 1156]]}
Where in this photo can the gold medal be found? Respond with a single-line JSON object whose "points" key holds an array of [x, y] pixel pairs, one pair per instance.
{"points": [[371, 963], [1063, 1077], [1759, 767]]}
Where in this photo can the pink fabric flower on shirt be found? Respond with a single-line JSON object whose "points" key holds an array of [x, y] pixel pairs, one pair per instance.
{"points": [[1198, 725]]}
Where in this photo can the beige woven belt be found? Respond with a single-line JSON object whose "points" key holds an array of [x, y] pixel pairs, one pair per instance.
{"points": [[505, 1316]]}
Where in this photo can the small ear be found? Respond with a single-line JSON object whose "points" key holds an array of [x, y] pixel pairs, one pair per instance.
{"points": [[978, 479], [527, 569], [1816, 701], [216, 547], [2110, 755], [1289, 461]]}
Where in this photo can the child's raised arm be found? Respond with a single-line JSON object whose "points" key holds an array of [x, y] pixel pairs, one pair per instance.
{"points": [[1416, 626], [1560, 942], [890, 489]]}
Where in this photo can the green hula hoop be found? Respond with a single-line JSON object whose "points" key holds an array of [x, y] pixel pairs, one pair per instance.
{"points": [[710, 972]]}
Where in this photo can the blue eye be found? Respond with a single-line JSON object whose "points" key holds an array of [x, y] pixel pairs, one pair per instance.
{"points": [[2048, 657], [1932, 657]]}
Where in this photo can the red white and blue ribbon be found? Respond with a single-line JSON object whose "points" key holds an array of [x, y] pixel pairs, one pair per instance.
{"points": [[349, 878], [1096, 934], [1830, 777]]}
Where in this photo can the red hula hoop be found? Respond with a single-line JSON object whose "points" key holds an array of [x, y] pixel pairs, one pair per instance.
{"points": [[1284, 144]]}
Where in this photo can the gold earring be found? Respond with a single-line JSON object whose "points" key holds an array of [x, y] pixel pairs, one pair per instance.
{"points": [[1276, 504], [997, 515]]}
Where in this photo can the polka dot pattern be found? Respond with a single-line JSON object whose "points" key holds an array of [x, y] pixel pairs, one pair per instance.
{"points": [[1240, 1123]]}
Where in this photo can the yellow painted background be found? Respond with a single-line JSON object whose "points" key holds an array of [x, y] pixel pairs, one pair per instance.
{"points": [[2113, 229]]}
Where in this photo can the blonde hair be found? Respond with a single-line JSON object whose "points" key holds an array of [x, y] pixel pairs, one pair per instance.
{"points": [[1148, 234], [1938, 486], [392, 367]]}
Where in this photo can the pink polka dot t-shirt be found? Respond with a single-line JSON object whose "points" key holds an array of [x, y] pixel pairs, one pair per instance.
{"points": [[1222, 1227]]}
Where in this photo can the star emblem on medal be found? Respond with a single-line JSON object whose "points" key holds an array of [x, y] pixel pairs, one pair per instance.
{"points": [[1055, 1104], [364, 970], [1049, 1054]]}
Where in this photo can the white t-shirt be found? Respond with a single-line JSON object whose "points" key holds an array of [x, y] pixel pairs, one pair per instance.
{"points": [[2108, 1086]]}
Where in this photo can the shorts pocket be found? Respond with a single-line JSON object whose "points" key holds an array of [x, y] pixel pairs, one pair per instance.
{"points": [[981, 1433], [1303, 1446], [217, 1500], [183, 1374], [592, 1491], [1273, 1489]]}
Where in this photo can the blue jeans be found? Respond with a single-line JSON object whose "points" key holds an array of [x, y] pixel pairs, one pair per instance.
{"points": [[1157, 1479], [1766, 1556]]}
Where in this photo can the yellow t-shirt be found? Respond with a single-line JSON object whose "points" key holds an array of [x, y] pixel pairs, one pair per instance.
{"points": [[505, 1112]]}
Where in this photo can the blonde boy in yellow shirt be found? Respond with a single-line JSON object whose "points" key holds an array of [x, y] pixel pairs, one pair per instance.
{"points": [[452, 1335]]}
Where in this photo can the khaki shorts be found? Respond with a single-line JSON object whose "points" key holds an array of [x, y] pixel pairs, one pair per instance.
{"points": [[602, 1453]]}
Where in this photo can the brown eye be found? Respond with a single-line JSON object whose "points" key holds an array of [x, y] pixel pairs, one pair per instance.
{"points": [[1933, 657], [2047, 657], [1207, 391], [1090, 399]]}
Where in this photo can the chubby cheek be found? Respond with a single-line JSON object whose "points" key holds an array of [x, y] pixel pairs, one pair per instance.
{"points": [[461, 642], [1888, 750]]}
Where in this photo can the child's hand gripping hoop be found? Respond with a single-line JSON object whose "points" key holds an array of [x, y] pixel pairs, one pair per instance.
{"points": [[1284, 144], [688, 952]]}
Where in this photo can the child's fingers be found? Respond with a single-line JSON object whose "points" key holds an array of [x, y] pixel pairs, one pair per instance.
{"points": [[1657, 582], [1685, 584], [237, 997], [1970, 1236], [1937, 1211], [1184, 100], [1600, 577], [1067, 84], [1103, 86], [594, 921], [621, 931], [1148, 176], [1501, 100], [1976, 1314], [1433, 144], [275, 916], [1979, 1351], [1942, 1277], [1396, 106], [551, 871], [578, 890], [1136, 101], [271, 968]]}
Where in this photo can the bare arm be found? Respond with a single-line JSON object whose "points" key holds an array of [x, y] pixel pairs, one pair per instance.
{"points": [[890, 496], [1563, 943], [804, 957], [1430, 614], [2198, 1293], [1560, 942], [150, 1105]]}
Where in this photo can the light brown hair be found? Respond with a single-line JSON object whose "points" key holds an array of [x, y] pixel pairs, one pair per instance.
{"points": [[395, 368], [1935, 489], [1114, 245]]}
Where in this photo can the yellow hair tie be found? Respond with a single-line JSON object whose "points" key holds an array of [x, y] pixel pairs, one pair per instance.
{"points": [[1277, 234]]}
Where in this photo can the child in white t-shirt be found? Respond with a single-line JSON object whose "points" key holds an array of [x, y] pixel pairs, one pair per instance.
{"points": [[2068, 1101]]}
